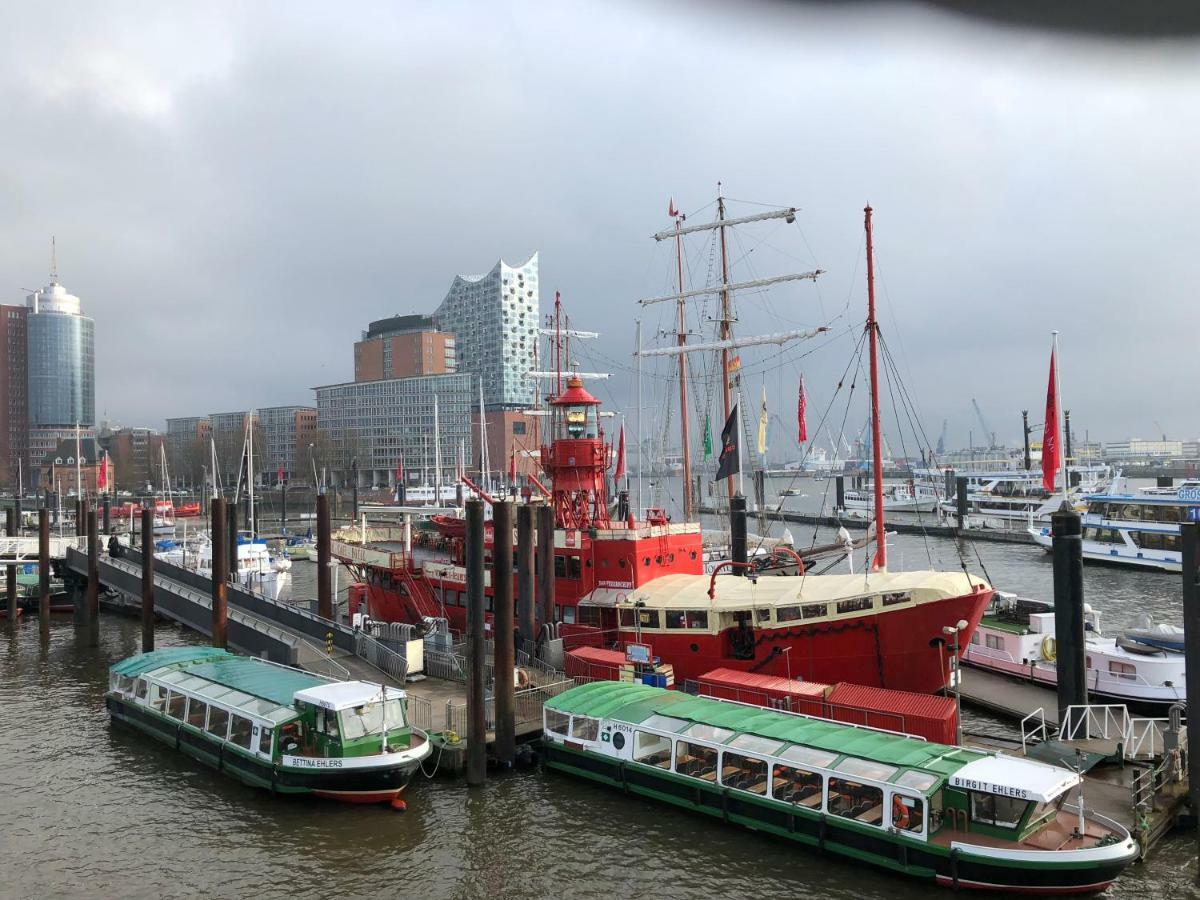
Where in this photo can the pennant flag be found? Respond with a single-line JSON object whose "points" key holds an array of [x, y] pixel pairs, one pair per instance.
{"points": [[671, 210], [620, 472], [707, 438], [1050, 449], [762, 424], [735, 364], [102, 474], [801, 405], [731, 457]]}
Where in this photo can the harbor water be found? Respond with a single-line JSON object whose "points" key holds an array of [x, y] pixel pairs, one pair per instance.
{"points": [[88, 809]]}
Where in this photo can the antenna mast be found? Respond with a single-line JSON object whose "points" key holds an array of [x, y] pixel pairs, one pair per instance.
{"points": [[876, 442], [53, 260], [681, 340], [725, 331]]}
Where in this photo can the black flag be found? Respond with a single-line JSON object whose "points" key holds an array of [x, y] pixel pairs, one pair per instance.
{"points": [[730, 457]]}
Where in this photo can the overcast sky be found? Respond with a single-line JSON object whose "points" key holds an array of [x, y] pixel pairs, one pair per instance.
{"points": [[237, 189]]}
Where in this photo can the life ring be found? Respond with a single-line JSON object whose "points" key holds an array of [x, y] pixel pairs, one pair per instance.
{"points": [[522, 679], [1049, 649], [899, 812]]}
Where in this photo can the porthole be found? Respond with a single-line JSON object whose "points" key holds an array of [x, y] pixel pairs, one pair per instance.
{"points": [[693, 554], [646, 561], [658, 560], [618, 741], [621, 562], [670, 557]]}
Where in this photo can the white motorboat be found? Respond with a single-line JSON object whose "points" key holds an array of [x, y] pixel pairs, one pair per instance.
{"points": [[258, 569]]}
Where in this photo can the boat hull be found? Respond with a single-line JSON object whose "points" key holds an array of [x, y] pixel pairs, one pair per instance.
{"points": [[349, 784], [857, 842]]}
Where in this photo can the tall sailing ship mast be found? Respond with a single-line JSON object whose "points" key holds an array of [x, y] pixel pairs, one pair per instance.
{"points": [[725, 338]]}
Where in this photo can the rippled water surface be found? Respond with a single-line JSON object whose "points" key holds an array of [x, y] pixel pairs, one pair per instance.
{"points": [[93, 810]]}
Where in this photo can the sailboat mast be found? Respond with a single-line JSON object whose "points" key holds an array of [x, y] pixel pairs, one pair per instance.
{"points": [[640, 461], [681, 339], [876, 443], [726, 332]]}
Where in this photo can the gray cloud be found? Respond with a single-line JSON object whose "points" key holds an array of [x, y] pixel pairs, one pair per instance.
{"points": [[238, 189]]}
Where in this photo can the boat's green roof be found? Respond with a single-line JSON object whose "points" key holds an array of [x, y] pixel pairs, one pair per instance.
{"points": [[634, 703], [242, 673], [172, 656]]}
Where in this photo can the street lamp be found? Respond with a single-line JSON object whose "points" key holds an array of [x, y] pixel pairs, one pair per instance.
{"points": [[952, 632]]}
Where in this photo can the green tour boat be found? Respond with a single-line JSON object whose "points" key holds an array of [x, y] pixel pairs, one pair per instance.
{"points": [[960, 817], [272, 726]]}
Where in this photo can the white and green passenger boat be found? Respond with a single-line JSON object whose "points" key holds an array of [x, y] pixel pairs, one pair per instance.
{"points": [[272, 726], [959, 817]]}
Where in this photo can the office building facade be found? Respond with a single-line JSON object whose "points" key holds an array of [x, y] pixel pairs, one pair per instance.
{"points": [[286, 432], [14, 388], [401, 347], [61, 364]]}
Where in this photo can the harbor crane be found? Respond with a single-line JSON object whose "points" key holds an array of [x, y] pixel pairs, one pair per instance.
{"points": [[987, 431]]}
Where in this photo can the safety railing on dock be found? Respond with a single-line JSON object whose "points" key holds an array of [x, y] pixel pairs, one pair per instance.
{"points": [[527, 706], [314, 659], [382, 657], [1033, 729], [420, 713], [1094, 722], [1140, 738], [445, 664]]}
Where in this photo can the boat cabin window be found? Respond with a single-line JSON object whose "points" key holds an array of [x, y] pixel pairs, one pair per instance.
{"points": [[787, 613], [359, 721], [690, 618], [1127, 671], [894, 599], [696, 760], [921, 781], [141, 689], [855, 604], [908, 813], [176, 705], [744, 773], [197, 711], [808, 756], [158, 697], [854, 800], [756, 744], [795, 785], [646, 618], [652, 749], [664, 723], [240, 731], [995, 642], [585, 728], [557, 722], [992, 809], [264, 741], [865, 768], [711, 733], [815, 610], [218, 722]]}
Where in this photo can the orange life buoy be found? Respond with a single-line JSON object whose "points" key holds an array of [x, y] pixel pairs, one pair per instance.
{"points": [[899, 812]]}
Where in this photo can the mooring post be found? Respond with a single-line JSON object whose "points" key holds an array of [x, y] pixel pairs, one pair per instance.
{"points": [[504, 654], [147, 586], [13, 531], [79, 523], [760, 491], [526, 618], [960, 493], [324, 573], [231, 541], [839, 493], [44, 571], [737, 532], [220, 547], [545, 564], [476, 663], [1067, 536], [93, 578], [107, 514], [1190, 558]]}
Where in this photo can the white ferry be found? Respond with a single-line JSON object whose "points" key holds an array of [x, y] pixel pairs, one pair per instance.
{"points": [[1140, 530], [1016, 637], [907, 497], [1020, 496]]}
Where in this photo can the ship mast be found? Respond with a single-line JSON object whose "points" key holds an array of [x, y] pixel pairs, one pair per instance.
{"points": [[681, 340], [726, 330], [876, 443]]}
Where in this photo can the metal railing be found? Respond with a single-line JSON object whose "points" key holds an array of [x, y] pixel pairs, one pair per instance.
{"points": [[1033, 729], [1139, 737], [314, 659], [443, 664], [420, 713], [383, 658], [1091, 722]]}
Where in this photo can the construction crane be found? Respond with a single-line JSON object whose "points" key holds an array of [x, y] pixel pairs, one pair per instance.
{"points": [[1161, 430], [987, 431], [941, 444]]}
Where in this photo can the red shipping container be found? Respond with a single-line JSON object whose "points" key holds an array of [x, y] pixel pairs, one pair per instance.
{"points": [[594, 662], [805, 697], [927, 715]]}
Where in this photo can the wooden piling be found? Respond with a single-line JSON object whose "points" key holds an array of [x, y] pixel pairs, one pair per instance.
{"points": [[476, 662], [961, 505], [93, 578], [107, 515], [44, 571], [79, 523], [1190, 559], [502, 620], [839, 492], [324, 573], [737, 532], [231, 538], [1066, 533], [12, 531], [526, 614], [545, 564], [220, 547], [147, 585]]}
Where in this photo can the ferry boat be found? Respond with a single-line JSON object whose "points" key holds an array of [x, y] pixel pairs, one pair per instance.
{"points": [[1003, 497], [960, 818], [631, 581], [1016, 637], [1139, 530], [271, 726], [906, 497]]}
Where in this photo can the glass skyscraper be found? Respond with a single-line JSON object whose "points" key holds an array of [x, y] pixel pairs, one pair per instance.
{"points": [[61, 362]]}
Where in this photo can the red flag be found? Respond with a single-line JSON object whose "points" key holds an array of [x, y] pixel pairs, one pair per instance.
{"points": [[1050, 459], [620, 473], [280, 478], [671, 210], [102, 474], [400, 469], [801, 405]]}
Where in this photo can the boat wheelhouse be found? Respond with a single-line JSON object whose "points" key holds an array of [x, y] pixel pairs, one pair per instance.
{"points": [[962, 818], [1016, 637], [1139, 530], [272, 726]]}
